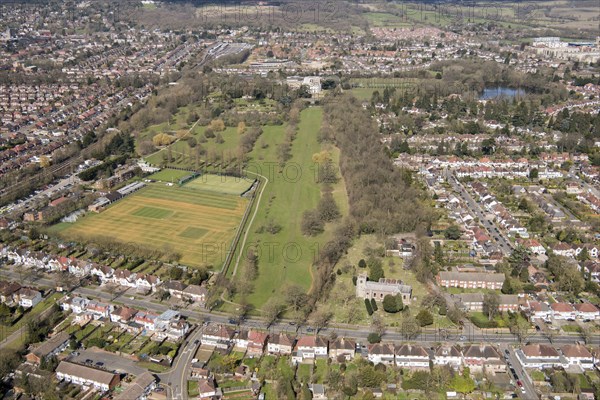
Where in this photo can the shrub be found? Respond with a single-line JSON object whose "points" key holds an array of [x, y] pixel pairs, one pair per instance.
{"points": [[368, 306], [373, 304]]}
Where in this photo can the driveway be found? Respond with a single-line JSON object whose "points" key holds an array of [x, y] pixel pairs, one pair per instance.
{"points": [[112, 362]]}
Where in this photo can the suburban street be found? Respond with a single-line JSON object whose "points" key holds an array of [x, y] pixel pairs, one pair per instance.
{"points": [[513, 362], [495, 232]]}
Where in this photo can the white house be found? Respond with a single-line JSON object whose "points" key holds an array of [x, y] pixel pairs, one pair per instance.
{"points": [[539, 356], [587, 311], [76, 304], [563, 311], [412, 356], [28, 298], [578, 355], [448, 355], [381, 353], [218, 336], [103, 272], [309, 348]]}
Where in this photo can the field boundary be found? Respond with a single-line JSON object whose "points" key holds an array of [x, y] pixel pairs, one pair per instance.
{"points": [[234, 243]]}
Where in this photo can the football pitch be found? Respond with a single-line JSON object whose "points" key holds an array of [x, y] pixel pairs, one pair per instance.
{"points": [[199, 224]]}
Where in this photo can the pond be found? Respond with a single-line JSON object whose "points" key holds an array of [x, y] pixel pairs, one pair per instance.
{"points": [[501, 91]]}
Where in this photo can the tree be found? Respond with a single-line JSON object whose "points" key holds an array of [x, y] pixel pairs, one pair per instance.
{"points": [[272, 310], [320, 318], [44, 162], [425, 318], [328, 208], [312, 224], [377, 325], [463, 383], [534, 173], [375, 269], [583, 255], [373, 338], [392, 304], [241, 128], [491, 304], [453, 232], [410, 328], [362, 263]]}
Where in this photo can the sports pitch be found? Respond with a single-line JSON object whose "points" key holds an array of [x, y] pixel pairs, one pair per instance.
{"points": [[196, 223]]}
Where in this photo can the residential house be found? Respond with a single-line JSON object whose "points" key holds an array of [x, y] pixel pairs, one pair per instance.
{"points": [[381, 353], [240, 342], [539, 310], [563, 249], [480, 357], [76, 304], [146, 283], [196, 293], [448, 355], [124, 277], [87, 376], [8, 292], [28, 298], [308, 348], [412, 357], [50, 347], [539, 356], [122, 314], [139, 389], [103, 272], [218, 336], [145, 319], [98, 309], [175, 288], [587, 311], [208, 390], [577, 354], [281, 343], [563, 311], [256, 342], [471, 280], [342, 348], [79, 268]]}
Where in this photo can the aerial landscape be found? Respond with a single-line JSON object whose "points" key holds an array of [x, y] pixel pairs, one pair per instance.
{"points": [[300, 199]]}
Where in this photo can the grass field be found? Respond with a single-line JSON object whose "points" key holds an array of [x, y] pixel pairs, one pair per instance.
{"points": [[198, 224], [288, 194], [220, 184], [169, 175]]}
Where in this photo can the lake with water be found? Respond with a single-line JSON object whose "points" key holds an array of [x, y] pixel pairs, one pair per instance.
{"points": [[500, 91]]}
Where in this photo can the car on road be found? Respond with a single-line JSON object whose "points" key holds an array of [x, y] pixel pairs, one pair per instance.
{"points": [[232, 321], [309, 329], [523, 389], [519, 383], [292, 323], [462, 338], [506, 351], [196, 341]]}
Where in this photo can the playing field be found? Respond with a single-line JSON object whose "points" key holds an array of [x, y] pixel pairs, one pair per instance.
{"points": [[169, 175], [198, 224]]}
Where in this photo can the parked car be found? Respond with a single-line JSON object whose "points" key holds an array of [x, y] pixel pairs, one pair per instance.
{"points": [[99, 363], [88, 361]]}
